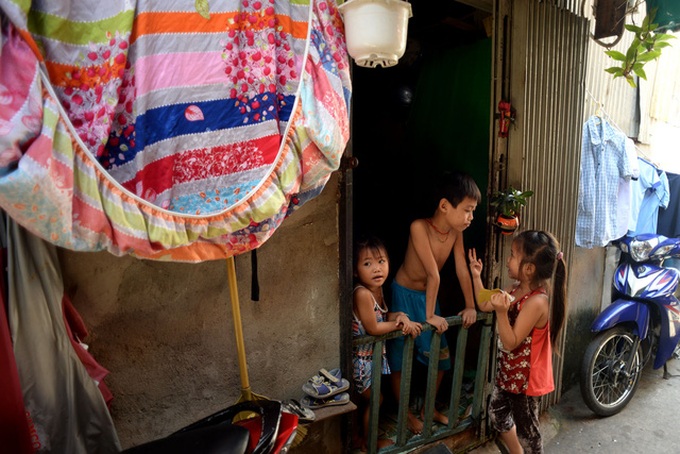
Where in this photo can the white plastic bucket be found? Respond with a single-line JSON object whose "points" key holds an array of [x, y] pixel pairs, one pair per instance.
{"points": [[375, 30]]}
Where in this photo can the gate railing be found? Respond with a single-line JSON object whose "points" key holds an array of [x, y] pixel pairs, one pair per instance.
{"points": [[458, 422]]}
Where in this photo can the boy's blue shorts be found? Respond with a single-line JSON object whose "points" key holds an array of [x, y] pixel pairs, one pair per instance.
{"points": [[412, 303]]}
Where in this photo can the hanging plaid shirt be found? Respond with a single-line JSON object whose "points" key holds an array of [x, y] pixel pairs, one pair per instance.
{"points": [[604, 163]]}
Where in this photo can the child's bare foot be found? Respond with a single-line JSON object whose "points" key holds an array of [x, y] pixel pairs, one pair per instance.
{"points": [[439, 417], [384, 443], [414, 424]]}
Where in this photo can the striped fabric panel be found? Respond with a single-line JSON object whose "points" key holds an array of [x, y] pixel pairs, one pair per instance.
{"points": [[204, 178]]}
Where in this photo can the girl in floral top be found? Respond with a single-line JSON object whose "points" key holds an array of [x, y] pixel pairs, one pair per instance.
{"points": [[371, 317], [528, 323]]}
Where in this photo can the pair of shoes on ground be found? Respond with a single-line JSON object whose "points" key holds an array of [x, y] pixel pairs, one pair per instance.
{"points": [[325, 389]]}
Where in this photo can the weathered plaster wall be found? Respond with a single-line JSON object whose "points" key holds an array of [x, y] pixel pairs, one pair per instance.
{"points": [[165, 330], [585, 286]]}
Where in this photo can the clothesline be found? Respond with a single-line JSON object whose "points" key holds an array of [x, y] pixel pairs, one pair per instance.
{"points": [[602, 113]]}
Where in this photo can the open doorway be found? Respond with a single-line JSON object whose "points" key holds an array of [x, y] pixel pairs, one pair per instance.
{"points": [[430, 113]]}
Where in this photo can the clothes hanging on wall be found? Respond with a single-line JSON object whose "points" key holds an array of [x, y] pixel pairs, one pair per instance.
{"points": [[65, 405], [625, 195], [650, 192], [604, 163], [669, 217], [15, 436]]}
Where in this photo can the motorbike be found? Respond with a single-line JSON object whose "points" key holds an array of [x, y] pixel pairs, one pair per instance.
{"points": [[270, 428], [642, 322]]}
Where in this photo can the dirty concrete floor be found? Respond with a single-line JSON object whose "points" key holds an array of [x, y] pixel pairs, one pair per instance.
{"points": [[648, 424]]}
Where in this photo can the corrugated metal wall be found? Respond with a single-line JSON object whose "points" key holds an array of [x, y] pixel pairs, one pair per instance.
{"points": [[614, 98], [543, 76]]}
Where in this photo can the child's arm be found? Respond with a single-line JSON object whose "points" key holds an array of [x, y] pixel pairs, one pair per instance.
{"points": [[421, 245], [476, 266], [533, 313], [469, 314], [363, 308]]}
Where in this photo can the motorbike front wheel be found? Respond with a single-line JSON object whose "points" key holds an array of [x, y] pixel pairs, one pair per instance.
{"points": [[606, 386]]}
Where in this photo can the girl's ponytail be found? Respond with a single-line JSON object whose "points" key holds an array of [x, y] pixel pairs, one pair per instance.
{"points": [[542, 249], [559, 298]]}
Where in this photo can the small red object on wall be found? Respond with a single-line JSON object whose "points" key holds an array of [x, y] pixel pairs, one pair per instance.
{"points": [[507, 114]]}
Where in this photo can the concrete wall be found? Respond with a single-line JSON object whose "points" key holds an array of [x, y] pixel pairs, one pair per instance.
{"points": [[165, 330], [584, 292]]}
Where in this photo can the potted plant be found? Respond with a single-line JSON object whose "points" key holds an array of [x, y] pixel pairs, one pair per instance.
{"points": [[508, 203]]}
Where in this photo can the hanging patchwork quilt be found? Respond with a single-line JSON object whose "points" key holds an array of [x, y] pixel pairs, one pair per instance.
{"points": [[171, 130]]}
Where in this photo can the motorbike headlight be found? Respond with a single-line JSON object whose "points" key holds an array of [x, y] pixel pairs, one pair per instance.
{"points": [[664, 250], [640, 250]]}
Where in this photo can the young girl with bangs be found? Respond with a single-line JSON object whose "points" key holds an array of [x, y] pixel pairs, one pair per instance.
{"points": [[371, 269]]}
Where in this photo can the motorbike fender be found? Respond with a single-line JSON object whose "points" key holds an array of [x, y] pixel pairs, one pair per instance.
{"points": [[670, 331], [622, 311]]}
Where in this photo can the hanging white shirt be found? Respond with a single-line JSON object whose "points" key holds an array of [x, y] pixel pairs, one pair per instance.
{"points": [[623, 217]]}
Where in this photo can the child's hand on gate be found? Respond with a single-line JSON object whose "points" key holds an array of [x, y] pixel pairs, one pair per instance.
{"points": [[408, 327], [439, 323]]}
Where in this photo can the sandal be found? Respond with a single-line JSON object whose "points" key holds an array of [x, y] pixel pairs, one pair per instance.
{"points": [[320, 388], [338, 399], [304, 414], [333, 375]]}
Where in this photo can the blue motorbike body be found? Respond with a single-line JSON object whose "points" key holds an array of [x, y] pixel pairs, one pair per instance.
{"points": [[644, 285], [623, 311], [637, 312]]}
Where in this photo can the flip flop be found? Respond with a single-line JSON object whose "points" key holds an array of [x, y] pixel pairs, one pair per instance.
{"points": [[304, 414], [321, 388], [338, 399]]}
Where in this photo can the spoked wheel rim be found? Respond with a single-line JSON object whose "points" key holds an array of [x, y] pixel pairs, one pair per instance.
{"points": [[611, 383]]}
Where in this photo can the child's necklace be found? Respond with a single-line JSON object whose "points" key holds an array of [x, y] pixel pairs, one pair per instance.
{"points": [[445, 235]]}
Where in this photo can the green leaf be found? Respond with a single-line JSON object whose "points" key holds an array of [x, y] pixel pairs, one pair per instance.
{"points": [[202, 8], [648, 41], [640, 72], [649, 56], [615, 70], [646, 21], [663, 37], [633, 28], [616, 55], [631, 81], [661, 45]]}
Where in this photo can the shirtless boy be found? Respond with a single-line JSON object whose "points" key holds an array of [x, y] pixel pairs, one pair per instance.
{"points": [[416, 284]]}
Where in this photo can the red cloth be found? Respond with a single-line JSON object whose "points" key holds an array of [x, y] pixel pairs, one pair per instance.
{"points": [[75, 327], [528, 368], [541, 377], [15, 436]]}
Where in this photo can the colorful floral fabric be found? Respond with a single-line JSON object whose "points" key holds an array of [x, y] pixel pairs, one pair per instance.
{"points": [[166, 131]]}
